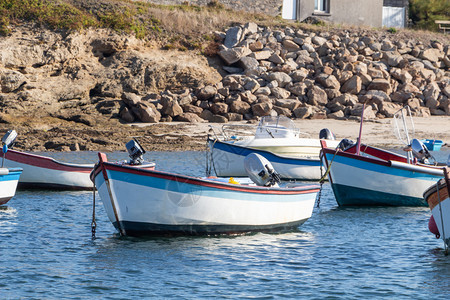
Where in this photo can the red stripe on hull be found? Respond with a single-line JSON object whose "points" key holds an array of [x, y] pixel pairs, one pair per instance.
{"points": [[103, 166], [43, 162]]}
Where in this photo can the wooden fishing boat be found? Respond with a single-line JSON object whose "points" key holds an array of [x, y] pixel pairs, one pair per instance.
{"points": [[47, 173], [142, 202], [42, 172], [437, 197], [9, 177], [373, 176], [365, 175], [278, 140]]}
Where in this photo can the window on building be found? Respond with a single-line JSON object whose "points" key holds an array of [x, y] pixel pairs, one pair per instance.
{"points": [[322, 5]]}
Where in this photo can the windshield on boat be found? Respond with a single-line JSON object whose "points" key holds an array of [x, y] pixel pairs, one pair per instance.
{"points": [[276, 127]]}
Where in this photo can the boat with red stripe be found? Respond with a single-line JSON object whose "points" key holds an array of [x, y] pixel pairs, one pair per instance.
{"points": [[148, 202]]}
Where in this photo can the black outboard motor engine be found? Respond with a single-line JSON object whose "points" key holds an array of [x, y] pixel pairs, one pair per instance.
{"points": [[420, 151], [9, 138], [135, 152], [326, 134], [8, 141], [345, 144], [260, 170]]}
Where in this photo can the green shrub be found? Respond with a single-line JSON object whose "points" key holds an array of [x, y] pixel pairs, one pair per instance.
{"points": [[392, 30]]}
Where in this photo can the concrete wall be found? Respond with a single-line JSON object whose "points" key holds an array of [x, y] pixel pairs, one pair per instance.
{"points": [[305, 9], [353, 12], [350, 12], [361, 12]]}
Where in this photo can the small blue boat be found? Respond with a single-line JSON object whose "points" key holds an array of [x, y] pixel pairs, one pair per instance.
{"points": [[433, 145], [9, 177]]}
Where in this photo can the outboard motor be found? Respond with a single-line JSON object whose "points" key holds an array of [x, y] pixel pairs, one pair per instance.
{"points": [[260, 170], [135, 151], [420, 151], [8, 141], [9, 138], [345, 144], [326, 134]]}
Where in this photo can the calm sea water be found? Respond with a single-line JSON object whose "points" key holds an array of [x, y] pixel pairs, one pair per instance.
{"points": [[46, 252]]}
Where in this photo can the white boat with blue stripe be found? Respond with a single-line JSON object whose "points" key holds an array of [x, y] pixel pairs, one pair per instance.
{"points": [[278, 140], [227, 159], [377, 177], [148, 202], [362, 175], [9, 177]]}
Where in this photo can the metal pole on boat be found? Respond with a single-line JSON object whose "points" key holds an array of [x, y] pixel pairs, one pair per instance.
{"points": [[408, 153], [358, 147], [4, 150]]}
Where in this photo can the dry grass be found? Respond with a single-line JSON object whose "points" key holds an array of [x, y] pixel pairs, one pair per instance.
{"points": [[175, 26]]}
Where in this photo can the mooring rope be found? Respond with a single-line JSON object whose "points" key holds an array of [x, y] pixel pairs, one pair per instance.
{"points": [[93, 223], [442, 219], [324, 176]]}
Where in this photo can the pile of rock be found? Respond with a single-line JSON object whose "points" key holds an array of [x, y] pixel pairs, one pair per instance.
{"points": [[311, 75]]}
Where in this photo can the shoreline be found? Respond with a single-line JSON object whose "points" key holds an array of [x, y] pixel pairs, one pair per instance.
{"points": [[182, 136], [375, 132]]}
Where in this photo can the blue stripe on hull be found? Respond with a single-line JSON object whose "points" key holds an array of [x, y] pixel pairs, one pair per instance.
{"points": [[273, 158], [204, 191], [11, 176], [151, 229], [352, 196]]}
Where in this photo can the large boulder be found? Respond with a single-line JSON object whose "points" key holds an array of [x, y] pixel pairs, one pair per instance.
{"points": [[11, 80], [146, 112], [317, 96], [262, 109], [230, 56], [352, 86], [170, 107], [233, 36]]}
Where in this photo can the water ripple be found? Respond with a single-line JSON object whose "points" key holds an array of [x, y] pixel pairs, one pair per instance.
{"points": [[351, 253]]}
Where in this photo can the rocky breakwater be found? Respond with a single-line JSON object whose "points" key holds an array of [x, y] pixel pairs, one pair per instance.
{"points": [[313, 75], [329, 75], [82, 86]]}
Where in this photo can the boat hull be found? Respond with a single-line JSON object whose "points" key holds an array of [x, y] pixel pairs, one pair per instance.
{"points": [[290, 147], [362, 181], [46, 173], [228, 160], [141, 202], [9, 177], [439, 203]]}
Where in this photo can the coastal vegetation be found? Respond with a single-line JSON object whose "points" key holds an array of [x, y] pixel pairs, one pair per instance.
{"points": [[175, 26], [423, 13], [183, 27]]}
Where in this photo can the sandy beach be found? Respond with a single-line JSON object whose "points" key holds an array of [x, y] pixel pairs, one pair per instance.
{"points": [[375, 132]]}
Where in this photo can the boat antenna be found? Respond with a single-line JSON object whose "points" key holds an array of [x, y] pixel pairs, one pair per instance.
{"points": [[406, 132], [358, 146]]}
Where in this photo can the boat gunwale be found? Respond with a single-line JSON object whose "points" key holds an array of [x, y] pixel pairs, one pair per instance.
{"points": [[103, 166], [265, 152], [380, 161], [46, 162]]}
